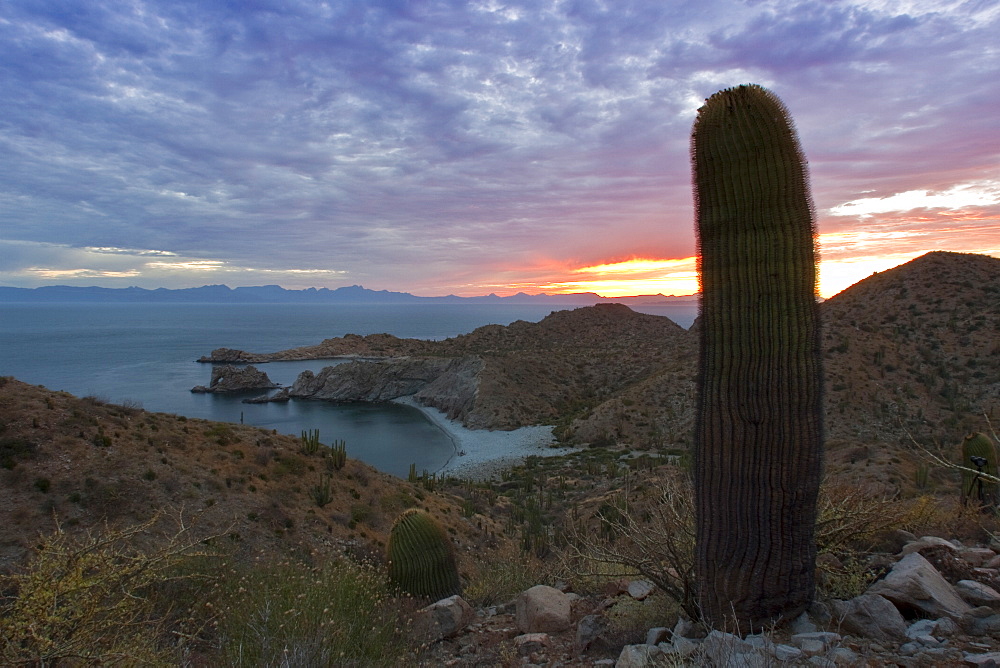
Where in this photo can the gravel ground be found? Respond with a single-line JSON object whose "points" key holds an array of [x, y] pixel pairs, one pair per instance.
{"points": [[481, 454]]}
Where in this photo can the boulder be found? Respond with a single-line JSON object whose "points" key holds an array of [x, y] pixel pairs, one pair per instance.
{"points": [[914, 584], [638, 656], [640, 589], [871, 616], [977, 556], [816, 642], [442, 619], [976, 593], [531, 643], [229, 378], [542, 609], [592, 632], [925, 542]]}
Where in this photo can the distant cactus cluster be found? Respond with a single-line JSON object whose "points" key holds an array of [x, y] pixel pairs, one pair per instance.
{"points": [[421, 557]]}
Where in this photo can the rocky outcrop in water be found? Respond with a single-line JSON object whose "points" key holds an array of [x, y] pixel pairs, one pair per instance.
{"points": [[449, 384], [229, 378]]}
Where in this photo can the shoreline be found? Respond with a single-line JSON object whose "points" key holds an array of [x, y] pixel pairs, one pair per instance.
{"points": [[481, 454]]}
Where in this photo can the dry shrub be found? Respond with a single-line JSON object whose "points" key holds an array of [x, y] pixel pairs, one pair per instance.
{"points": [[652, 535], [851, 518], [88, 599], [503, 573], [645, 533]]}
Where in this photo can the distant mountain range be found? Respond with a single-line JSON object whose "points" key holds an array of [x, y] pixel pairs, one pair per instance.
{"points": [[275, 294]]}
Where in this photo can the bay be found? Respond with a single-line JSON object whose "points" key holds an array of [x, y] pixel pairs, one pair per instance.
{"points": [[145, 353]]}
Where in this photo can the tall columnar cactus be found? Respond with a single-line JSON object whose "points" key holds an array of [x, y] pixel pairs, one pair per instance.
{"points": [[421, 557], [979, 454], [758, 432]]}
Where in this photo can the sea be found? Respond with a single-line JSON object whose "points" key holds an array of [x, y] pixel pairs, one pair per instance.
{"points": [[145, 354]]}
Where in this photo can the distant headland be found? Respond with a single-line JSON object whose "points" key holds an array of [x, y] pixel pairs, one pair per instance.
{"points": [[275, 294]]}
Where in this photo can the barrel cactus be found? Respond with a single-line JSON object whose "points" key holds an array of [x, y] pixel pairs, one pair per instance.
{"points": [[979, 455], [758, 430], [421, 557]]}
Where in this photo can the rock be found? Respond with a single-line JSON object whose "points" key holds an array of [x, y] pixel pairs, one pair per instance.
{"points": [[640, 589], [228, 378], [871, 616], [816, 642], [531, 643], [844, 656], [442, 619], [921, 627], [722, 648], [925, 542], [685, 628], [977, 556], [989, 660], [542, 609], [615, 587], [787, 653], [680, 646], [976, 593], [638, 656], [230, 356], [803, 624], [656, 635], [591, 632], [913, 584], [451, 385]]}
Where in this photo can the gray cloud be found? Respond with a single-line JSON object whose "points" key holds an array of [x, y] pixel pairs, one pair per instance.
{"points": [[433, 145]]}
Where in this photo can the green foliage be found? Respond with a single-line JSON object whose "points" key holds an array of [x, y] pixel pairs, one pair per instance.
{"points": [[310, 442], [43, 485], [760, 376], [421, 557], [975, 489], [293, 614]]}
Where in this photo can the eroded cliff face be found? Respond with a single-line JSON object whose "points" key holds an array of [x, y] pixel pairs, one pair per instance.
{"points": [[448, 384], [228, 378]]}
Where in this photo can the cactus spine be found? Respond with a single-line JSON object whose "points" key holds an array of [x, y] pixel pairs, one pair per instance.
{"points": [[975, 489], [758, 430], [421, 557]]}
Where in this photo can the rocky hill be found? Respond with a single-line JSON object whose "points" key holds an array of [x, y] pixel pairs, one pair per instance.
{"points": [[82, 461], [909, 352]]}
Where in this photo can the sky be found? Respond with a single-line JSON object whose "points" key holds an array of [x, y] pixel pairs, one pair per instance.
{"points": [[469, 147]]}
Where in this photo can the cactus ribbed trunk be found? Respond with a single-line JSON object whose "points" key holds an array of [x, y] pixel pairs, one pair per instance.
{"points": [[421, 557], [758, 439]]}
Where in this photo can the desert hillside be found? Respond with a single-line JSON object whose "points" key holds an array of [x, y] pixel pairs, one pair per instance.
{"points": [[81, 461]]}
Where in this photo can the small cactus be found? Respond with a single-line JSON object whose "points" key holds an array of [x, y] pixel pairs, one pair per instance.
{"points": [[979, 455], [421, 557], [310, 442], [321, 493], [338, 454]]}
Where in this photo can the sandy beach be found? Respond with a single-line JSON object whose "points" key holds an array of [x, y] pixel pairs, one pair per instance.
{"points": [[481, 454]]}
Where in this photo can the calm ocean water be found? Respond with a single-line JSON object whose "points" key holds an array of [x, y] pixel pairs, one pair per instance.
{"points": [[146, 353]]}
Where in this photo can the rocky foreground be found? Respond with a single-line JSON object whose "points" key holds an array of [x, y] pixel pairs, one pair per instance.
{"points": [[936, 606]]}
